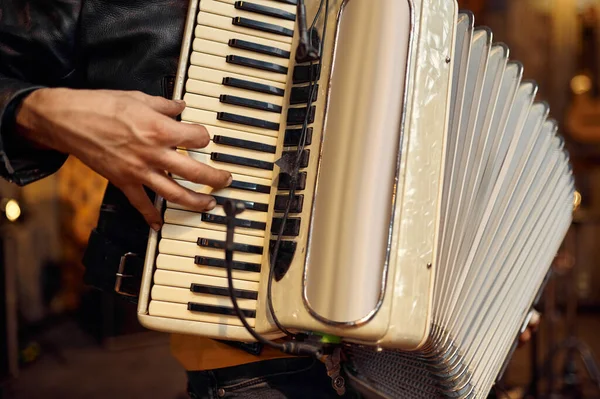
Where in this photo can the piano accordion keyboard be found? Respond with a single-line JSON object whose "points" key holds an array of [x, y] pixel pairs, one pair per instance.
{"points": [[243, 85]]}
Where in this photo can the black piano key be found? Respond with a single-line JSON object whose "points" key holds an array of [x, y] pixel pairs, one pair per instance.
{"points": [[248, 103], [291, 228], [296, 116], [253, 86], [285, 255], [284, 246], [221, 291], [245, 120], [242, 185], [256, 64], [249, 145], [250, 205], [252, 163], [197, 307], [214, 262], [282, 265], [292, 137], [264, 10], [306, 74], [285, 181], [262, 26], [301, 94], [249, 224], [281, 202], [304, 157], [217, 244], [259, 48]]}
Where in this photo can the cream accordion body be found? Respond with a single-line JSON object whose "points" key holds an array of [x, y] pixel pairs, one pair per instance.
{"points": [[433, 191]]}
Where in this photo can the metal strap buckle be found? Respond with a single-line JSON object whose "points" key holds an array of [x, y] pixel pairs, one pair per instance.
{"points": [[121, 274]]}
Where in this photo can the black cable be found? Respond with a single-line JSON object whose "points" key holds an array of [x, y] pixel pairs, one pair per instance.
{"points": [[233, 208]]}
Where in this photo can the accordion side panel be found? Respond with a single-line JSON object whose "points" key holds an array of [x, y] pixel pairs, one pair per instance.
{"points": [[418, 212]]}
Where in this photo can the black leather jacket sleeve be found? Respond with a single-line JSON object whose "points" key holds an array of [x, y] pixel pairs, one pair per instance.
{"points": [[38, 48]]}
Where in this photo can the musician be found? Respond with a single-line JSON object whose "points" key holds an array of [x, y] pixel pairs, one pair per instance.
{"points": [[92, 79]]}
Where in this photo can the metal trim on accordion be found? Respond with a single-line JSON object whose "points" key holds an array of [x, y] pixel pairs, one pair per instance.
{"points": [[435, 189]]}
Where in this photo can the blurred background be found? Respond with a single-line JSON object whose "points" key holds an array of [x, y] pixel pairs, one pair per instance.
{"points": [[59, 339]]}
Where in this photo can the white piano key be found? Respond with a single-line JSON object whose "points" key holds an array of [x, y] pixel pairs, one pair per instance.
{"points": [[255, 216], [187, 265], [228, 10], [225, 23], [184, 280], [268, 3], [239, 169], [204, 117], [193, 219], [223, 36], [218, 62], [240, 152], [218, 131], [217, 76], [190, 249], [213, 104], [227, 192], [189, 234], [179, 311], [223, 50], [216, 90], [182, 295]]}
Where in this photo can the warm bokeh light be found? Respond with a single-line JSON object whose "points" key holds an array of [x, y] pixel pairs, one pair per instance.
{"points": [[12, 210], [581, 84], [576, 200]]}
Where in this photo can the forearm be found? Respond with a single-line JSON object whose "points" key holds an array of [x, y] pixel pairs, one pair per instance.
{"points": [[23, 160], [32, 125]]}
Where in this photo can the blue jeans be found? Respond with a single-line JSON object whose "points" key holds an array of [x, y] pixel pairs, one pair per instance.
{"points": [[288, 378]]}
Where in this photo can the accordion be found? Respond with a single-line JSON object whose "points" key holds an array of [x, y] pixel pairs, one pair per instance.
{"points": [[404, 194]]}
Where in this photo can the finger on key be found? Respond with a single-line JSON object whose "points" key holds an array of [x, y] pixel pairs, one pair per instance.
{"points": [[189, 135], [171, 191], [190, 169]]}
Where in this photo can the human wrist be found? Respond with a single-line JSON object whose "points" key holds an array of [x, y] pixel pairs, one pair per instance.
{"points": [[32, 119]]}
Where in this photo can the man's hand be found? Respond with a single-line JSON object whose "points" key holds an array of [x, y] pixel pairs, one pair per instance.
{"points": [[127, 137]]}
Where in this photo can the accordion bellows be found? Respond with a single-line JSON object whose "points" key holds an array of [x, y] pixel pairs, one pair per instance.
{"points": [[506, 207]]}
